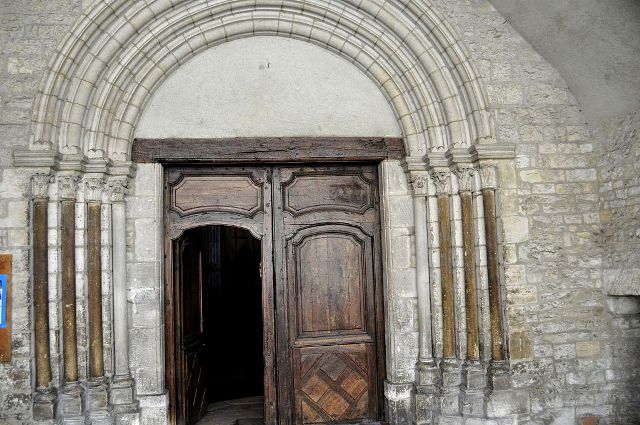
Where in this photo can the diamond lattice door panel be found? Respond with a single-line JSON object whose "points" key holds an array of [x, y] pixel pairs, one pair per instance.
{"points": [[334, 383], [327, 243]]}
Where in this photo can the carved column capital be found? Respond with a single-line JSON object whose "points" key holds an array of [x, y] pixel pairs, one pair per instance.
{"points": [[93, 188], [441, 179], [420, 183], [40, 185], [465, 177], [68, 186], [118, 189], [489, 176]]}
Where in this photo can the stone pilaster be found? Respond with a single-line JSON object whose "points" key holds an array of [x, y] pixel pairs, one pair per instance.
{"points": [[122, 395]]}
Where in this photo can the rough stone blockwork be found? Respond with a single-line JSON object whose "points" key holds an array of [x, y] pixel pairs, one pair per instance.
{"points": [[619, 169]]}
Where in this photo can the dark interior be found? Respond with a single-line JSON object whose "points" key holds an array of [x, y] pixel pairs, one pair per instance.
{"points": [[233, 317]]}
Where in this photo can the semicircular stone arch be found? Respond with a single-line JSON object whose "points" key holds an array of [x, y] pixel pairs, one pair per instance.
{"points": [[116, 56]]}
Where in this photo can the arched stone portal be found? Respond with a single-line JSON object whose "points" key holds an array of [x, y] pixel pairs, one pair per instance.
{"points": [[85, 118]]}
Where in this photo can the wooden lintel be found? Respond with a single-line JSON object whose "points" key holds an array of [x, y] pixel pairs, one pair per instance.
{"points": [[267, 149]]}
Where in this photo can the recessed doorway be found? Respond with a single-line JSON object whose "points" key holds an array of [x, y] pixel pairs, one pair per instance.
{"points": [[305, 242]]}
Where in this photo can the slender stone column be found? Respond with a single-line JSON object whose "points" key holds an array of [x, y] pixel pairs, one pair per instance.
{"points": [[427, 371], [495, 301], [122, 388], [97, 389], [70, 405], [420, 187], [499, 369], [474, 376], [93, 196], [450, 365], [441, 181], [465, 179], [43, 404]]}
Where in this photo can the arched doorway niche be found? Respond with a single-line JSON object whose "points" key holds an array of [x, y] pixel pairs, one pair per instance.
{"points": [[407, 63]]}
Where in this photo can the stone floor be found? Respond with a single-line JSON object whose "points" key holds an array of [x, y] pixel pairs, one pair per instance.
{"points": [[242, 411]]}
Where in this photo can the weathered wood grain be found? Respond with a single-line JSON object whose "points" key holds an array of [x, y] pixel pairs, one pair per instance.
{"points": [[270, 149]]}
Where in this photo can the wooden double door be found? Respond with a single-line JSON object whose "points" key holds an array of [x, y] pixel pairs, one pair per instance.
{"points": [[322, 308]]}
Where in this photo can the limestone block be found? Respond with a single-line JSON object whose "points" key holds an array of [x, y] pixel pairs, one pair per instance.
{"points": [[515, 274], [134, 419], [522, 294], [505, 403], [588, 348], [564, 351], [516, 229], [17, 212], [404, 282], [581, 175], [505, 95], [142, 275], [395, 179], [142, 206], [145, 241], [401, 249], [520, 345], [400, 211], [146, 179]]}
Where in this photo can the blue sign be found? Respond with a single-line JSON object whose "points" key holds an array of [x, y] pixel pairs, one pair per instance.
{"points": [[3, 300]]}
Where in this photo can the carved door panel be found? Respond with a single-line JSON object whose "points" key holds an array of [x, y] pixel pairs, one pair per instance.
{"points": [[198, 196], [326, 240], [191, 356], [319, 228]]}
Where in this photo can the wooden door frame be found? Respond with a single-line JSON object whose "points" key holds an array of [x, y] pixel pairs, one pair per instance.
{"points": [[256, 151]]}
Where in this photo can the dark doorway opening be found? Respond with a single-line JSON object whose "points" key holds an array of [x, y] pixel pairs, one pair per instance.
{"points": [[235, 315], [221, 351]]}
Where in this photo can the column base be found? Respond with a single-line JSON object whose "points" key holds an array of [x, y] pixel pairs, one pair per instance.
{"points": [[399, 404], [450, 404], [44, 404], [97, 402], [474, 388], [504, 401], [499, 375], [70, 406], [122, 395], [427, 392]]}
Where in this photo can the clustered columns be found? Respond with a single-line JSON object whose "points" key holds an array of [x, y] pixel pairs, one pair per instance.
{"points": [[86, 389], [461, 326]]}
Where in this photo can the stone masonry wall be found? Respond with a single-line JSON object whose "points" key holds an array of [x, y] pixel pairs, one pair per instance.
{"points": [[29, 32], [619, 169], [569, 353], [558, 321], [619, 172]]}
